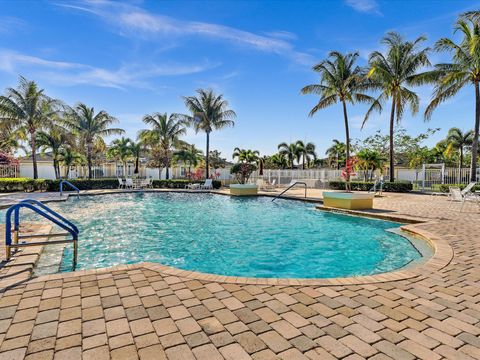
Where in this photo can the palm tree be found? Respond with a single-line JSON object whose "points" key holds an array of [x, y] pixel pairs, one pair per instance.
{"points": [[69, 157], [120, 149], [337, 151], [464, 70], [136, 150], [369, 161], [460, 140], [391, 73], [163, 137], [279, 160], [29, 110], [307, 152], [189, 155], [208, 112], [290, 151], [341, 80], [55, 139], [246, 155], [91, 127]]}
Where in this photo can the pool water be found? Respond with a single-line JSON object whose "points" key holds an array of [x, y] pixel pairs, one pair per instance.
{"points": [[232, 236]]}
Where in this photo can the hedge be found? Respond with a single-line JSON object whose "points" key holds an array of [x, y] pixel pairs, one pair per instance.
{"points": [[398, 186], [29, 185], [444, 187]]}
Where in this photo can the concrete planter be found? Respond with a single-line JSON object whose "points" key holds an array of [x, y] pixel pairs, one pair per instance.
{"points": [[243, 189], [345, 200]]}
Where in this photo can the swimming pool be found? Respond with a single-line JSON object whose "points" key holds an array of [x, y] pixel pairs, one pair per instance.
{"points": [[232, 236]]}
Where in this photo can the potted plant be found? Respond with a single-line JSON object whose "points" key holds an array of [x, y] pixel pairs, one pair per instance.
{"points": [[242, 172], [347, 199]]}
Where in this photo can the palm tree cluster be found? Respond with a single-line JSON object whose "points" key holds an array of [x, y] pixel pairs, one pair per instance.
{"points": [[390, 76], [75, 135]]}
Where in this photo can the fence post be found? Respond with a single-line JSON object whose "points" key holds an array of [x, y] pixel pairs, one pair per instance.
{"points": [[424, 175]]}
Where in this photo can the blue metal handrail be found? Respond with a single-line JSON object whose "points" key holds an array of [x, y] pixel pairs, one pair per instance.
{"points": [[69, 184], [48, 214]]}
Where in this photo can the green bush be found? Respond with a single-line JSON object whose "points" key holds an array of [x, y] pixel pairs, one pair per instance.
{"points": [[22, 184], [444, 187], [397, 186], [29, 185]]}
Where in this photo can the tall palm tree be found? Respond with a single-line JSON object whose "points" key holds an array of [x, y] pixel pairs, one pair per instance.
{"points": [[337, 151], [246, 155], [460, 140], [29, 110], [307, 152], [55, 139], [69, 157], [90, 126], [279, 160], [120, 149], [208, 112], [290, 151], [463, 70], [369, 161], [341, 80], [163, 137], [136, 151], [189, 155], [391, 73]]}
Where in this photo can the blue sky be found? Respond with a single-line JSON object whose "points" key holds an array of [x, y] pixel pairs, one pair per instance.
{"points": [[139, 57]]}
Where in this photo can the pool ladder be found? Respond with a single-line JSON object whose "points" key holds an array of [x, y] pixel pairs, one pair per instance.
{"points": [[69, 184], [12, 236], [291, 186]]}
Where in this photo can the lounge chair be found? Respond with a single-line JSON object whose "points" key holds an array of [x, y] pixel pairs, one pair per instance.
{"points": [[128, 183], [207, 185], [457, 195], [121, 183]]}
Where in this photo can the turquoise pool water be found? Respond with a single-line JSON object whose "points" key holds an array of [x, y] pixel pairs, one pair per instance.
{"points": [[231, 236]]}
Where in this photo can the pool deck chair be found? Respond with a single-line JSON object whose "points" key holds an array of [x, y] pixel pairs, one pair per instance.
{"points": [[128, 183], [208, 184], [457, 195], [121, 183]]}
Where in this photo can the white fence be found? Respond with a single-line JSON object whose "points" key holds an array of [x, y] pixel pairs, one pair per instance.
{"points": [[9, 171]]}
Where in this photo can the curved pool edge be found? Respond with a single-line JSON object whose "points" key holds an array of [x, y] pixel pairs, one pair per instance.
{"points": [[442, 255]]}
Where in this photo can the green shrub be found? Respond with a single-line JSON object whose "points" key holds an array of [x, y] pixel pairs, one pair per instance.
{"points": [[22, 184], [444, 187], [29, 185], [397, 186]]}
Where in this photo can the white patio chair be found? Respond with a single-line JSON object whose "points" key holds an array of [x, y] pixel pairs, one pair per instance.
{"points": [[457, 195], [128, 183], [208, 184], [121, 184]]}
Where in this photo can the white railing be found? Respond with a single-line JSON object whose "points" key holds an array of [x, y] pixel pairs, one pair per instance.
{"points": [[9, 171]]}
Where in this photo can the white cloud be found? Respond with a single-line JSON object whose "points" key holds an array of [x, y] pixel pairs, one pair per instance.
{"points": [[364, 6], [69, 73], [135, 21], [9, 24]]}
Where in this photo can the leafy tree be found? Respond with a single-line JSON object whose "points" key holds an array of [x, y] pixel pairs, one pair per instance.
{"points": [[341, 80], [337, 152], [69, 157], [189, 154], [91, 127], [463, 70], [163, 138], [27, 110], [307, 152], [208, 112], [391, 73], [246, 155], [121, 150], [460, 141], [369, 161], [56, 139], [216, 160], [136, 150], [290, 151]]}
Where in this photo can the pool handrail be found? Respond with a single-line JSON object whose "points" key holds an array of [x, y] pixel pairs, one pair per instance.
{"points": [[63, 181], [289, 187], [48, 214]]}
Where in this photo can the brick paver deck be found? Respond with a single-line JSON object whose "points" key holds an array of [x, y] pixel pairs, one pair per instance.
{"points": [[132, 312]]}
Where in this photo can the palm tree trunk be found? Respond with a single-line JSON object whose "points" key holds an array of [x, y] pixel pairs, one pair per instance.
{"points": [[347, 131], [392, 123], [33, 145], [473, 167], [167, 170], [460, 165], [89, 159], [207, 157], [136, 165]]}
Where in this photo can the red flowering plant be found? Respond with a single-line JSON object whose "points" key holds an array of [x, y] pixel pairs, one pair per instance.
{"points": [[7, 159], [349, 171], [197, 174]]}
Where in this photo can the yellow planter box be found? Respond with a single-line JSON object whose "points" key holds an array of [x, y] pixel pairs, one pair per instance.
{"points": [[351, 201], [243, 189]]}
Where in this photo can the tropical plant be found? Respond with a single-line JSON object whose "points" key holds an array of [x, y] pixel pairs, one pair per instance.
{"points": [[369, 161], [246, 155], [136, 150], [290, 151], [209, 112], [278, 160], [163, 138], [69, 157], [463, 70], [341, 80], [460, 141], [90, 127], [337, 152], [121, 150], [27, 109], [391, 73], [243, 171], [189, 155], [216, 160], [55, 139], [306, 152]]}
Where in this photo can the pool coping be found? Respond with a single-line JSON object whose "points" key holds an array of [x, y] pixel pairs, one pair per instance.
{"points": [[442, 253]]}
